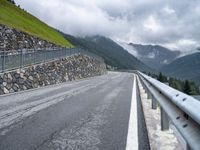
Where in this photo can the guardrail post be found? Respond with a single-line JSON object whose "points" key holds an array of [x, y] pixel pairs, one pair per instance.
{"points": [[164, 120], [143, 87], [59, 53], [52, 55], [34, 56], [187, 147], [45, 56], [153, 102], [65, 52], [148, 94], [3, 61], [21, 59], [146, 90]]}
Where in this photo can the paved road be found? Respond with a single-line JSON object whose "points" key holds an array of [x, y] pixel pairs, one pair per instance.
{"points": [[89, 114]]}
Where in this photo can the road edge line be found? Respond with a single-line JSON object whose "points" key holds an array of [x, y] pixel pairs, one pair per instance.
{"points": [[132, 136]]}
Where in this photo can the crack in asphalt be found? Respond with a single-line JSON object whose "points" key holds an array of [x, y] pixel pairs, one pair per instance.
{"points": [[9, 117], [85, 134]]}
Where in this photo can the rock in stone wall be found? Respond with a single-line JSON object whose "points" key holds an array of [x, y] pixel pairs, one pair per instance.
{"points": [[12, 39], [71, 68]]}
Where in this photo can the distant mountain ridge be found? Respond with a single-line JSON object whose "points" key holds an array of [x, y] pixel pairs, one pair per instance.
{"points": [[155, 56], [113, 54], [186, 67]]}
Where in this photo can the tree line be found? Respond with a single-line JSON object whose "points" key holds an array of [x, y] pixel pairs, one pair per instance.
{"points": [[186, 86], [11, 1]]}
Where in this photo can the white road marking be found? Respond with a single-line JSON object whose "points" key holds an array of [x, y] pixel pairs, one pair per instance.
{"points": [[132, 138]]}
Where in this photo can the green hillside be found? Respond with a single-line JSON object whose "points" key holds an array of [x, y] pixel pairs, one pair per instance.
{"points": [[113, 54], [17, 18], [187, 67]]}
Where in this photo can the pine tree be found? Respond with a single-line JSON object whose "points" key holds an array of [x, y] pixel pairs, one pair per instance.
{"points": [[187, 88], [160, 77]]}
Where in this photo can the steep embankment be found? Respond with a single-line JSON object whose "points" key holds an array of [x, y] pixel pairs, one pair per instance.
{"points": [[14, 17], [187, 67], [113, 54]]}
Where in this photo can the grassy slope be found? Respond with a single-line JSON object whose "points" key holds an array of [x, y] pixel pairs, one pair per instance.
{"points": [[17, 18]]}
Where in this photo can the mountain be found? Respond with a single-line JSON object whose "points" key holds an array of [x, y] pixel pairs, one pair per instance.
{"points": [[14, 17], [113, 54], [154, 56], [186, 67]]}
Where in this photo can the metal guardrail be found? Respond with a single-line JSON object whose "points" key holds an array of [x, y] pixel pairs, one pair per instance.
{"points": [[176, 107], [15, 59]]}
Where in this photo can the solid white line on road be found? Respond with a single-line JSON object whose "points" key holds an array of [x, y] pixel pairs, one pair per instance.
{"points": [[132, 137]]}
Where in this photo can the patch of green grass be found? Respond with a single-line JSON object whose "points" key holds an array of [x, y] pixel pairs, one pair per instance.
{"points": [[12, 16]]}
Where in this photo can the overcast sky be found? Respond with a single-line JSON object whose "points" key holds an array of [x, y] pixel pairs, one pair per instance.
{"points": [[171, 23]]}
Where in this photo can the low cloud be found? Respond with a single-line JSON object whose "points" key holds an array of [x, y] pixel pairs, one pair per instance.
{"points": [[174, 24]]}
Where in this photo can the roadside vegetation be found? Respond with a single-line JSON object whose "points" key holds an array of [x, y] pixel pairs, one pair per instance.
{"points": [[186, 86], [15, 17]]}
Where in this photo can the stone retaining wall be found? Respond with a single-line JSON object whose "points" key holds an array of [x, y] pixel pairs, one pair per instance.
{"points": [[12, 39], [71, 68]]}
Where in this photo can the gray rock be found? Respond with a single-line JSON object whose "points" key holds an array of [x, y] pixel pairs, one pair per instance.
{"points": [[30, 77], [1, 92], [4, 84], [21, 81], [11, 91], [1, 80], [14, 39], [8, 86], [5, 90], [15, 87], [72, 68], [17, 75]]}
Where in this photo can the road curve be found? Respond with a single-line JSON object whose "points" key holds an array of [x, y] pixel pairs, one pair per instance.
{"points": [[89, 114]]}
